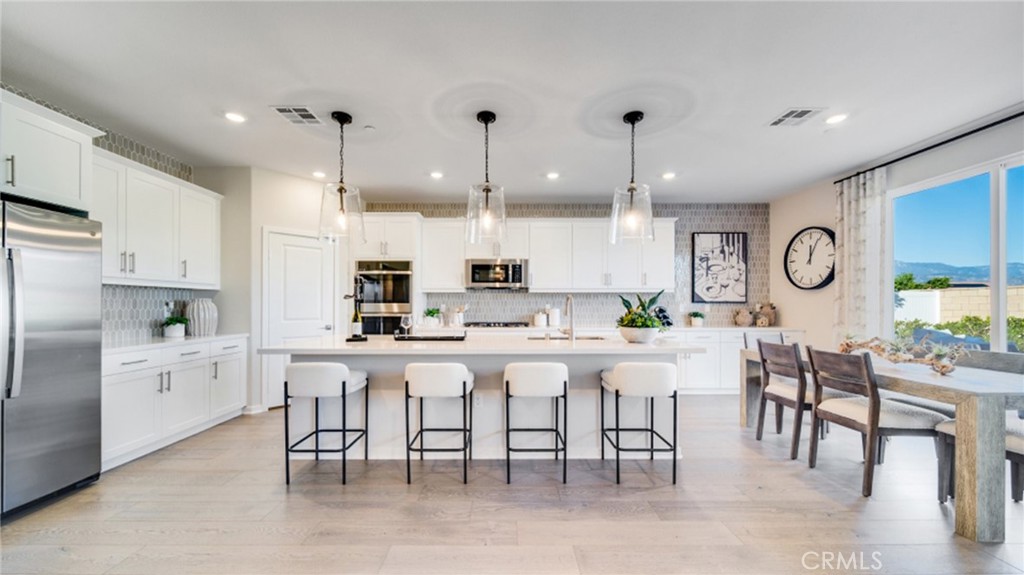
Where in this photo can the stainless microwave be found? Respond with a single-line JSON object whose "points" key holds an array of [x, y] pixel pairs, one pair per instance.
{"points": [[497, 274]]}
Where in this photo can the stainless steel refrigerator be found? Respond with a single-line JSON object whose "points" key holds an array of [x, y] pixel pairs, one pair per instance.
{"points": [[50, 350]]}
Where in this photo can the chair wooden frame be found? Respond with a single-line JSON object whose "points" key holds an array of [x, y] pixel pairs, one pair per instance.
{"points": [[945, 445], [853, 374], [782, 360]]}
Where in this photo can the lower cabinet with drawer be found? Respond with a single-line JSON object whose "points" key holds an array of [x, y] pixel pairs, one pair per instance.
{"points": [[154, 398], [718, 369]]}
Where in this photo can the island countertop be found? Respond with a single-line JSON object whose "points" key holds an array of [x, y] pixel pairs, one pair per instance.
{"points": [[481, 345]]}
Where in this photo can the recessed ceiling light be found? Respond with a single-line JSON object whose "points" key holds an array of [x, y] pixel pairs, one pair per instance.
{"points": [[319, 175], [369, 128], [835, 119], [234, 117], [437, 175], [668, 176], [552, 175]]}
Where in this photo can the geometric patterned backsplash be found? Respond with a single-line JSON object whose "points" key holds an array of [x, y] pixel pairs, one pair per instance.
{"points": [[601, 310], [133, 314]]}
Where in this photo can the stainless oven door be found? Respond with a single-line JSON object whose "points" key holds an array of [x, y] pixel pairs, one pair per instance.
{"points": [[386, 287]]}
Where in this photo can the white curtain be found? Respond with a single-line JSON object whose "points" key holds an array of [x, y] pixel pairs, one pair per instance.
{"points": [[862, 252]]}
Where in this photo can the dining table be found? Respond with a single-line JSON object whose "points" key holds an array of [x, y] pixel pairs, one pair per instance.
{"points": [[981, 398]]}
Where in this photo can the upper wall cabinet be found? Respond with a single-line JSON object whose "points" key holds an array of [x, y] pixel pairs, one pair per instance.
{"points": [[600, 266], [46, 156], [157, 230], [516, 244], [388, 236], [444, 255], [551, 255]]}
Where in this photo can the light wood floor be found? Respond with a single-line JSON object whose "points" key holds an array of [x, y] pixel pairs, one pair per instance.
{"points": [[217, 503]]}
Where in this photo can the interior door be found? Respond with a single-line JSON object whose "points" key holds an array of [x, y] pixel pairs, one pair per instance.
{"points": [[299, 300]]}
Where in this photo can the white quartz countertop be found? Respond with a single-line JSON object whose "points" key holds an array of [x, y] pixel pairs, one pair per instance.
{"points": [[148, 343], [490, 345]]}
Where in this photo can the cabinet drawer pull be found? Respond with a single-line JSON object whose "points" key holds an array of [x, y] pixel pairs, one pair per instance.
{"points": [[160, 389], [131, 263], [196, 352], [230, 347], [184, 268], [168, 380], [124, 262], [11, 179], [216, 369], [645, 278], [136, 362]]}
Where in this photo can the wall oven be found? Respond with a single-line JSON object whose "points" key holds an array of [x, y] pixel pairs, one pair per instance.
{"points": [[386, 294], [497, 274]]}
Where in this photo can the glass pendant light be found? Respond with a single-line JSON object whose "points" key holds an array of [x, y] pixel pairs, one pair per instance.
{"points": [[632, 218], [485, 211], [341, 211]]}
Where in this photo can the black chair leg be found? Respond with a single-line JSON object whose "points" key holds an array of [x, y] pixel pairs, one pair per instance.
{"points": [[344, 432], [408, 439], [650, 436], [675, 434], [366, 422], [421, 427], [508, 439], [618, 440], [601, 392], [565, 431], [1017, 481], [465, 435], [316, 427], [555, 438], [287, 441]]}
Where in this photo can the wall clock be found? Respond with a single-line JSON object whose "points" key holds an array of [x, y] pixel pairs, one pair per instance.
{"points": [[811, 258]]}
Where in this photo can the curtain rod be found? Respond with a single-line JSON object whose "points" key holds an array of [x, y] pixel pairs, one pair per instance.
{"points": [[936, 145]]}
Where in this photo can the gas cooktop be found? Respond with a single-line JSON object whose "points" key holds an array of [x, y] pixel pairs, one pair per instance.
{"points": [[497, 324]]}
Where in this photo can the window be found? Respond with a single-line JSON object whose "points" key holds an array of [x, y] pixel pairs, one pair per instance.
{"points": [[944, 256]]}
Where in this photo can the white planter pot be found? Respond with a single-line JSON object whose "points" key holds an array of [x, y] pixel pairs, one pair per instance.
{"points": [[639, 334], [202, 317], [697, 322], [429, 321], [174, 331]]}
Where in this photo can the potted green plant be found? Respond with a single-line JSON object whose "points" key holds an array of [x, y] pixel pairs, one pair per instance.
{"points": [[639, 324], [696, 319], [431, 317], [174, 326]]}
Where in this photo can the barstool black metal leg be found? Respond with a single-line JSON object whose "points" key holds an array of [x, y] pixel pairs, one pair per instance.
{"points": [[316, 428], [601, 392], [650, 438], [555, 438], [470, 422], [618, 440], [465, 436], [366, 421], [565, 431], [344, 432], [675, 433], [421, 427], [408, 439], [287, 441], [508, 439]]}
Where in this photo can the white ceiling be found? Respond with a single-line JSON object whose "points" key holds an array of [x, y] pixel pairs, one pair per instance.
{"points": [[709, 76]]}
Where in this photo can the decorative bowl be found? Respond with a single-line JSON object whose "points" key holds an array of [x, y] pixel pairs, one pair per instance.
{"points": [[639, 334]]}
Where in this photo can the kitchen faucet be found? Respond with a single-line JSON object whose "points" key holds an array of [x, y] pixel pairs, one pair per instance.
{"points": [[570, 310]]}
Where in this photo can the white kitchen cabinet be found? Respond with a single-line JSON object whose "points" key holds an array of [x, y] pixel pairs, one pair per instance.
{"points": [[186, 396], [444, 258], [47, 156], [730, 348], [599, 265], [658, 267], [157, 230], [131, 411], [551, 255], [702, 370], [389, 236], [198, 236], [516, 244], [227, 382]]}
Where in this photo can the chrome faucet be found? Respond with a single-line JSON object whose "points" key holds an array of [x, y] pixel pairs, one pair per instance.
{"points": [[570, 311]]}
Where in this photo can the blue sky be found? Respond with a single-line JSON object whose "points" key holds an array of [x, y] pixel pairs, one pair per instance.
{"points": [[950, 224]]}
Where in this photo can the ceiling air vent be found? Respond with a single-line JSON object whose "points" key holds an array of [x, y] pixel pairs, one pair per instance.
{"points": [[300, 115], [795, 116]]}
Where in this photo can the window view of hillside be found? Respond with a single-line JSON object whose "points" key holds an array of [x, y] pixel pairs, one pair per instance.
{"points": [[942, 251]]}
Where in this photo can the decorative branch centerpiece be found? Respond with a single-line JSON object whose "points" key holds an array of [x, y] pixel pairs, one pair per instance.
{"points": [[640, 323], [940, 357]]}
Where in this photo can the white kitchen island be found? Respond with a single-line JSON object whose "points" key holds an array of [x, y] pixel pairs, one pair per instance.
{"points": [[486, 356]]}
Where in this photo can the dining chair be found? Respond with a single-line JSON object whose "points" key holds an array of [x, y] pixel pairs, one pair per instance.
{"points": [[865, 412], [946, 443], [784, 383]]}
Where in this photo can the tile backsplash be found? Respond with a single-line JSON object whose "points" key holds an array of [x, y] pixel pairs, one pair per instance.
{"points": [[594, 310], [132, 314]]}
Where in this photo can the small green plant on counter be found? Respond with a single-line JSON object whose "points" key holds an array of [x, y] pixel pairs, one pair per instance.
{"points": [[175, 320], [641, 315], [432, 312], [696, 314]]}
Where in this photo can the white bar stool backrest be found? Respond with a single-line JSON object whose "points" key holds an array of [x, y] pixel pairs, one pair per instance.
{"points": [[438, 379], [317, 379], [540, 379], [639, 379]]}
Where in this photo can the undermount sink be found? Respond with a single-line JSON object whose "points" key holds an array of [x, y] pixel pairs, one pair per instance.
{"points": [[565, 337]]}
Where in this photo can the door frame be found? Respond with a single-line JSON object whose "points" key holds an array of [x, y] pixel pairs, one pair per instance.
{"points": [[265, 234]]}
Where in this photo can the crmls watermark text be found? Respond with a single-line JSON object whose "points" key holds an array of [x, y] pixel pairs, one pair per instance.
{"points": [[832, 561]]}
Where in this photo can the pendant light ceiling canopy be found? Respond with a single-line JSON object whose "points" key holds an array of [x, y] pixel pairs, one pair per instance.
{"points": [[632, 217], [485, 211], [341, 211]]}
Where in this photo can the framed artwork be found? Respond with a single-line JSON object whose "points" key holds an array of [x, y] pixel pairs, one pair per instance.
{"points": [[719, 267]]}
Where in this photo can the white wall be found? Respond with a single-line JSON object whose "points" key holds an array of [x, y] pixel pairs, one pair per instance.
{"points": [[811, 310]]}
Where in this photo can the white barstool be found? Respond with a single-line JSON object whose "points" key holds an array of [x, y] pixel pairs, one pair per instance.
{"points": [[322, 380], [646, 380], [424, 380], [537, 380]]}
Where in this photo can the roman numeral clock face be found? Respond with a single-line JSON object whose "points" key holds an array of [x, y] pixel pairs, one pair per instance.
{"points": [[811, 258]]}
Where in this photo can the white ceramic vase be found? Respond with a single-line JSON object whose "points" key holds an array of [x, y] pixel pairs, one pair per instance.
{"points": [[202, 317], [639, 334], [174, 331]]}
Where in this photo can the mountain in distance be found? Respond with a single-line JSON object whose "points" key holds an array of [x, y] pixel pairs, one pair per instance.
{"points": [[924, 271]]}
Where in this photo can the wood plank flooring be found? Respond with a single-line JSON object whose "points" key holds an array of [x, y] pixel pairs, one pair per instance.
{"points": [[217, 504]]}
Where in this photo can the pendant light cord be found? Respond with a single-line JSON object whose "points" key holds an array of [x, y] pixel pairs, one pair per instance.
{"points": [[632, 153], [487, 152], [341, 155]]}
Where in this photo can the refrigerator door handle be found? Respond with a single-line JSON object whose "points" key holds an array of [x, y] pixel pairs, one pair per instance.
{"points": [[18, 311], [5, 326]]}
